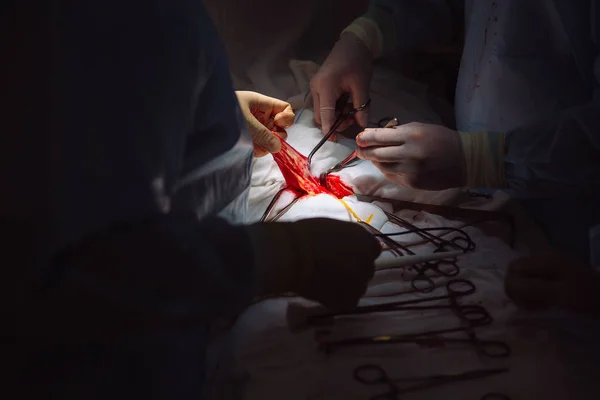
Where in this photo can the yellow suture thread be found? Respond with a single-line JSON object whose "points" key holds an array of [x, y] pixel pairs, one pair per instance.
{"points": [[350, 210], [368, 220]]}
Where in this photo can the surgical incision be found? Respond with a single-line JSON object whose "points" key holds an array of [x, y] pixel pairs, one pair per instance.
{"points": [[294, 167]]}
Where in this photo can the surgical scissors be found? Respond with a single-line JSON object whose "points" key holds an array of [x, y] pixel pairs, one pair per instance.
{"points": [[342, 114], [446, 268], [351, 159], [456, 288], [440, 243], [473, 315], [487, 348], [373, 374]]}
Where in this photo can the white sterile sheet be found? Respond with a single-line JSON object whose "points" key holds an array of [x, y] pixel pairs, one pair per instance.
{"points": [[266, 360]]}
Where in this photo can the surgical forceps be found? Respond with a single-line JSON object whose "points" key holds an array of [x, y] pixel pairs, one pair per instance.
{"points": [[440, 243], [342, 114], [487, 348], [446, 268], [351, 159], [456, 288], [373, 374], [451, 268]]}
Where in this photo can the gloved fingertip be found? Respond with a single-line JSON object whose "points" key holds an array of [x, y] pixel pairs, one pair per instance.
{"points": [[362, 118], [285, 119]]}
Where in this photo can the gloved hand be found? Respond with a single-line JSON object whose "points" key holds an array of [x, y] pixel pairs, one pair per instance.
{"points": [[265, 115], [415, 155], [321, 259], [347, 69], [551, 280]]}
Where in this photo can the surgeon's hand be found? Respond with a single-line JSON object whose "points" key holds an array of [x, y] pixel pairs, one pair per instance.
{"points": [[265, 115], [415, 155], [552, 280], [347, 69], [324, 260]]}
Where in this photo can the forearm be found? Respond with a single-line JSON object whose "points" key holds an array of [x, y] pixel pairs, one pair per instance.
{"points": [[151, 275], [553, 155]]}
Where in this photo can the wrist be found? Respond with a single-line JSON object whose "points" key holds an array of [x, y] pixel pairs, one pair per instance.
{"points": [[366, 31], [483, 159]]}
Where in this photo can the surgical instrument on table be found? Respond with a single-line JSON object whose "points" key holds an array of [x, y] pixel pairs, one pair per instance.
{"points": [[343, 114], [466, 214], [350, 160], [424, 282], [439, 242], [298, 316], [394, 246], [373, 374], [413, 259], [451, 268], [487, 348]]}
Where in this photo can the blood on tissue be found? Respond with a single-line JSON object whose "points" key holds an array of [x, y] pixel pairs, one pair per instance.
{"points": [[294, 167]]}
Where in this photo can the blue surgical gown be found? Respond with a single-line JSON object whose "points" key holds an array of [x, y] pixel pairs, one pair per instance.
{"points": [[142, 171]]}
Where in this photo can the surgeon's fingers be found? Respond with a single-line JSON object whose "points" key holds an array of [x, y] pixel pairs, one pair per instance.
{"points": [[285, 118], [383, 136], [327, 100], [396, 168], [316, 108], [383, 154], [263, 137], [360, 96], [280, 132], [258, 152]]}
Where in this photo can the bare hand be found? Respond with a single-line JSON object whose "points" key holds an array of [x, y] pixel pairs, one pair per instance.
{"points": [[264, 116]]}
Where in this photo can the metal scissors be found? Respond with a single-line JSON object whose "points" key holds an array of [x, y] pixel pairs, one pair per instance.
{"points": [[430, 339], [424, 283], [473, 315], [343, 113], [373, 374], [455, 288]]}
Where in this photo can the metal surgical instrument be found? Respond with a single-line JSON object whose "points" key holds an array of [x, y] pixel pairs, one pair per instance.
{"points": [[487, 348], [343, 114], [351, 159], [456, 288]]}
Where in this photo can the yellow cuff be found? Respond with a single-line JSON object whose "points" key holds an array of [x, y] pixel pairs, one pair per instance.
{"points": [[484, 159], [367, 31]]}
